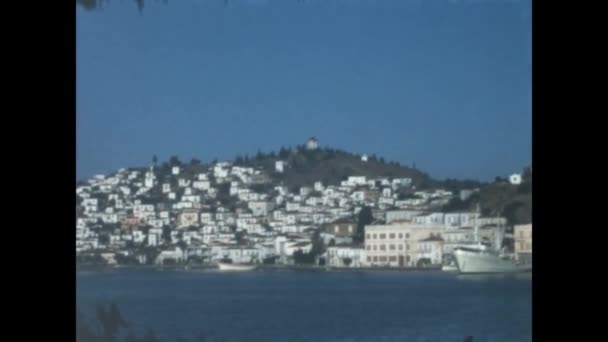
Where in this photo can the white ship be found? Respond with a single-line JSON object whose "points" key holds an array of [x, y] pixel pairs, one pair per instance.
{"points": [[236, 267], [482, 260], [226, 264], [479, 258]]}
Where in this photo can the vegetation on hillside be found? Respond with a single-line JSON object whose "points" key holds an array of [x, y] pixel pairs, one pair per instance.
{"points": [[330, 166], [514, 202]]}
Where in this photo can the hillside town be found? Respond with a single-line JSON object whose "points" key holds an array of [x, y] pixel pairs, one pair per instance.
{"points": [[226, 211]]}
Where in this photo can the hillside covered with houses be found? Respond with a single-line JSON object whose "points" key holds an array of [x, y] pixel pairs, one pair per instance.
{"points": [[305, 204]]}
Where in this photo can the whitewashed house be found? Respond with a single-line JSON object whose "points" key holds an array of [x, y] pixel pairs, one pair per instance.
{"points": [[292, 206], [401, 215], [305, 191], [176, 254], [401, 182], [261, 208], [431, 248], [138, 236], [345, 256], [207, 218], [175, 170], [201, 184], [188, 218], [279, 166], [191, 198], [430, 219], [312, 144], [515, 179], [356, 180]]}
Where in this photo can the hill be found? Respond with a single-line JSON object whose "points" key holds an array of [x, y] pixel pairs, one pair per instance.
{"points": [[330, 166]]}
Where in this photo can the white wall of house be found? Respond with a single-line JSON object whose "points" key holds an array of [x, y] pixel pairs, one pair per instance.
{"points": [[201, 184], [336, 256], [515, 179]]}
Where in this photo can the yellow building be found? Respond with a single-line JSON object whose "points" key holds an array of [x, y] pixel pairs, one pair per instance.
{"points": [[397, 245], [523, 242]]}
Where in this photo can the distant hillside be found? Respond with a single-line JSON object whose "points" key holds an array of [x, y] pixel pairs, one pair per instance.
{"points": [[500, 198], [331, 166]]}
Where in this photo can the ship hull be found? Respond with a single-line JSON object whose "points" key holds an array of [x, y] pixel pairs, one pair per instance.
{"points": [[483, 262], [235, 267]]}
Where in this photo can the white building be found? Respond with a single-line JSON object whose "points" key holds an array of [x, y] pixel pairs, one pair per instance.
{"points": [[201, 184], [207, 218], [187, 218], [345, 256], [364, 158], [175, 170], [312, 144], [401, 182], [401, 215], [356, 180], [176, 254], [396, 245], [279, 166], [261, 208], [515, 179], [292, 206], [457, 238], [430, 219], [431, 249], [458, 220]]}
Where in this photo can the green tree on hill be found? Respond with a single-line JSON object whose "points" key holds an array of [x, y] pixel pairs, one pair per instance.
{"points": [[174, 161], [364, 218]]}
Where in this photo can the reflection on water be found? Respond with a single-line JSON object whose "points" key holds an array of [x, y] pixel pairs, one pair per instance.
{"points": [[494, 276]]}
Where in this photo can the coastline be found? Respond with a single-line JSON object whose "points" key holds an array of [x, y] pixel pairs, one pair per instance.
{"points": [[213, 267]]}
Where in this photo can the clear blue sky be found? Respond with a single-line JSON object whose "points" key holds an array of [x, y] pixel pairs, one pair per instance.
{"points": [[444, 84]]}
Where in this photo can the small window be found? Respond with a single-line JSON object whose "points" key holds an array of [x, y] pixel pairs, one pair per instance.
{"points": [[369, 247], [392, 247], [374, 236], [369, 259], [407, 247], [407, 235], [368, 236], [392, 236], [401, 235], [375, 258], [374, 247], [382, 247], [383, 236], [400, 247], [392, 258]]}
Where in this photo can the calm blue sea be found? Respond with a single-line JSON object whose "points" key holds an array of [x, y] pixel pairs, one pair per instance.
{"points": [[316, 306]]}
